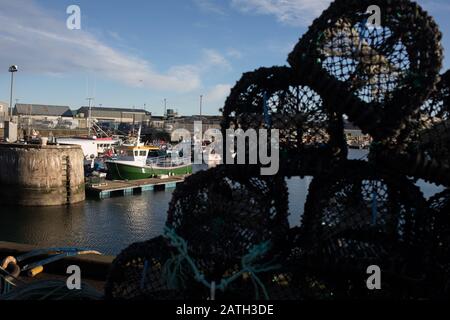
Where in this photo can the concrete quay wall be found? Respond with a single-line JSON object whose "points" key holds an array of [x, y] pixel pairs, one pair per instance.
{"points": [[36, 175]]}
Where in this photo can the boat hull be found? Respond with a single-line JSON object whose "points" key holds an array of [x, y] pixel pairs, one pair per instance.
{"points": [[121, 171]]}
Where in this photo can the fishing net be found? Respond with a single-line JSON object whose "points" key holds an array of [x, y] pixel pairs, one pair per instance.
{"points": [[310, 163], [439, 226], [278, 98], [363, 200], [293, 280], [227, 235], [417, 165], [430, 125], [423, 148], [390, 68], [304, 278], [435, 142], [225, 214], [361, 216], [437, 108], [433, 125], [137, 273]]}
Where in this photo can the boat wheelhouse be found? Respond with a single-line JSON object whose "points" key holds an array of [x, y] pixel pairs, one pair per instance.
{"points": [[133, 163]]}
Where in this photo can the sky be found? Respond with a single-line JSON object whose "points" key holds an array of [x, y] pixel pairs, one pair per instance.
{"points": [[136, 53]]}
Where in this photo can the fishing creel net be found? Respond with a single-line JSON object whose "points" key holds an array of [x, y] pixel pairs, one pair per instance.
{"points": [[223, 213], [377, 75], [434, 113], [439, 225], [359, 216], [293, 280], [230, 220], [138, 273], [433, 132], [423, 149], [278, 98]]}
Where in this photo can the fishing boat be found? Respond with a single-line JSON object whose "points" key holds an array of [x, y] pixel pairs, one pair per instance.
{"points": [[92, 147], [133, 163]]}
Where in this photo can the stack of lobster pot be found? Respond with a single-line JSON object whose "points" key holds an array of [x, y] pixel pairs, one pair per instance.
{"points": [[227, 233]]}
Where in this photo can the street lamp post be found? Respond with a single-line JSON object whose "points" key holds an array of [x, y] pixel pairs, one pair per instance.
{"points": [[12, 69], [165, 107]]}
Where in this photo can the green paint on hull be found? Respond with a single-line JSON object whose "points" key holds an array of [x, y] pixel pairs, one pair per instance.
{"points": [[121, 171]]}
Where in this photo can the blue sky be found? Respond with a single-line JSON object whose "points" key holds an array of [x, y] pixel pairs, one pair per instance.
{"points": [[136, 52]]}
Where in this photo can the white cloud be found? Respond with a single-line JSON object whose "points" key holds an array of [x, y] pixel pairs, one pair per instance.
{"points": [[116, 36], [212, 58], [234, 53], [217, 94], [290, 12], [40, 43], [209, 6]]}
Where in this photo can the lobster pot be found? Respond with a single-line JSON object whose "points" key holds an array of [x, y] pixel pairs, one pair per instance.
{"points": [[37, 175]]}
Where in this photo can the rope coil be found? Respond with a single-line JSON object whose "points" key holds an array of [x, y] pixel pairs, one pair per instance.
{"points": [[172, 266]]}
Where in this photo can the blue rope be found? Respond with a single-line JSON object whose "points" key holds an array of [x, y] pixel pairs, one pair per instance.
{"points": [[144, 274], [363, 26], [172, 268], [38, 252]]}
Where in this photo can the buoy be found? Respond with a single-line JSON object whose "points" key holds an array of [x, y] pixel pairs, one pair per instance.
{"points": [[35, 271]]}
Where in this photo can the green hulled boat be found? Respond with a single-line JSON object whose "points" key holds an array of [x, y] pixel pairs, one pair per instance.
{"points": [[133, 163], [125, 170]]}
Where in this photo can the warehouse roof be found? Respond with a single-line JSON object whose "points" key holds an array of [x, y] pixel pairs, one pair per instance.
{"points": [[107, 109], [42, 110]]}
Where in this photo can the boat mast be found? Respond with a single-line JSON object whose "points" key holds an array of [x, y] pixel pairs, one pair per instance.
{"points": [[138, 141], [89, 116]]}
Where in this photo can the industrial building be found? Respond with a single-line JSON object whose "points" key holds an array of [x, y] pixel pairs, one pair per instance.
{"points": [[157, 122], [44, 116], [187, 122], [115, 115], [42, 112]]}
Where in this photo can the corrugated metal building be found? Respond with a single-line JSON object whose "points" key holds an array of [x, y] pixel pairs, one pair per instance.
{"points": [[42, 111], [119, 115], [187, 122]]}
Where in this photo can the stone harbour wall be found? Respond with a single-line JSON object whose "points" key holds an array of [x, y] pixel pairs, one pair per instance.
{"points": [[36, 175]]}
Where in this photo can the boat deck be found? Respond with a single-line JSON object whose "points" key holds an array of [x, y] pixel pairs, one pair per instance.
{"points": [[124, 188]]}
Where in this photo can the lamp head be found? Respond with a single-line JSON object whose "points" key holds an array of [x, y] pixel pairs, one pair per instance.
{"points": [[13, 68]]}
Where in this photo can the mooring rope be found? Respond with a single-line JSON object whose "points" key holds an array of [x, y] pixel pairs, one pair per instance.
{"points": [[172, 269]]}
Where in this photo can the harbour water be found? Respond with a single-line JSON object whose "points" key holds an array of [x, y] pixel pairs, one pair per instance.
{"points": [[112, 224]]}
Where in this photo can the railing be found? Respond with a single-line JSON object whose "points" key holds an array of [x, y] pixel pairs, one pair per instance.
{"points": [[166, 162]]}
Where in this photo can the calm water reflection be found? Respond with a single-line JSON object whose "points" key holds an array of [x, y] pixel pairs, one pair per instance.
{"points": [[112, 224], [108, 225]]}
